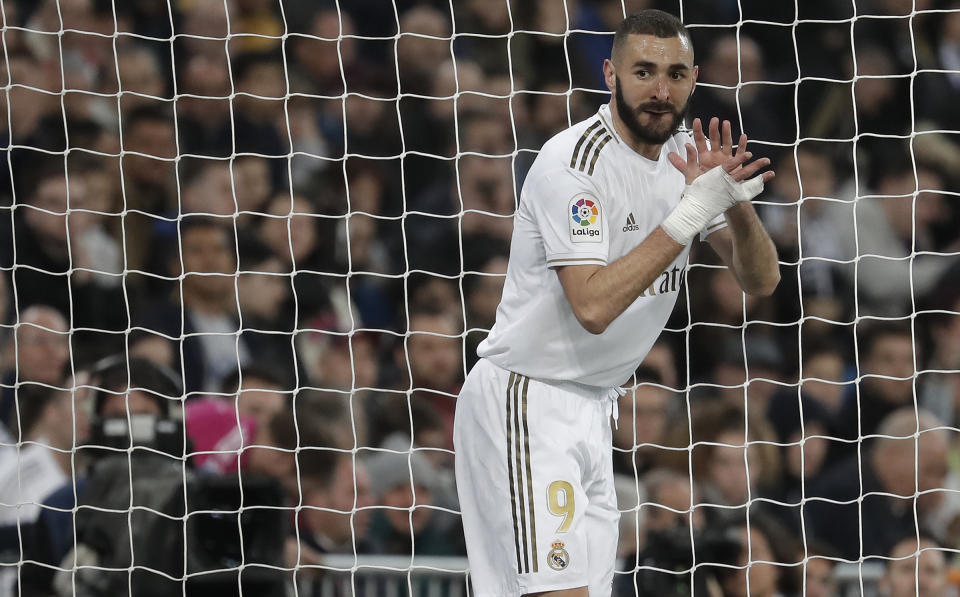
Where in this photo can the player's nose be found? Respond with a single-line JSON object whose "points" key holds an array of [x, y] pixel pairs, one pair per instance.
{"points": [[661, 90]]}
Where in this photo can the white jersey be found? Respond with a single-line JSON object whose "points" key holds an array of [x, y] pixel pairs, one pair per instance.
{"points": [[588, 199]]}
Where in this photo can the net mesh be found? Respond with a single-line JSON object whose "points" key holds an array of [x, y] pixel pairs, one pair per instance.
{"points": [[249, 248]]}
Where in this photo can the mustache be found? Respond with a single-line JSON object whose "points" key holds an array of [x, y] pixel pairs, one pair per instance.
{"points": [[657, 106]]}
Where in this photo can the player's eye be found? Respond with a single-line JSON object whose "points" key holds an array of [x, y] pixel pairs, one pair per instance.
{"points": [[642, 73], [676, 76]]}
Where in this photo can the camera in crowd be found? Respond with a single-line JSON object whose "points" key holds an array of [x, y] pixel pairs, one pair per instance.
{"points": [[666, 565]]}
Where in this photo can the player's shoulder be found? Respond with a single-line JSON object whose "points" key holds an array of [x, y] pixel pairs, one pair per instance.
{"points": [[678, 141], [578, 148]]}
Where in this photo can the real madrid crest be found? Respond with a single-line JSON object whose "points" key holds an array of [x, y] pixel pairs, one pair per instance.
{"points": [[558, 558]]}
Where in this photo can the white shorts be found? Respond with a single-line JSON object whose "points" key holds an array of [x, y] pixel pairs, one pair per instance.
{"points": [[535, 478]]}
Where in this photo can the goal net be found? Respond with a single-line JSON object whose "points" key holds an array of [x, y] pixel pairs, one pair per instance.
{"points": [[248, 249]]}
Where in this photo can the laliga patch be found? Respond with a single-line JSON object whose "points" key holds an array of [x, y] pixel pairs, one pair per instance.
{"points": [[585, 220]]}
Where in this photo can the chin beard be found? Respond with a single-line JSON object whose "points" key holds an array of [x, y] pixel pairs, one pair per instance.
{"points": [[654, 135]]}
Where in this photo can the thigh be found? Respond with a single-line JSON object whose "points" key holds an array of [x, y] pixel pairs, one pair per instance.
{"points": [[603, 515], [519, 476]]}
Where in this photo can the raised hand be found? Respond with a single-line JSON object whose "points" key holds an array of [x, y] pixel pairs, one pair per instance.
{"points": [[720, 152]]}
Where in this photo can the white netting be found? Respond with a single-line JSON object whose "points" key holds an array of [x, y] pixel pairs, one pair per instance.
{"points": [[249, 248]]}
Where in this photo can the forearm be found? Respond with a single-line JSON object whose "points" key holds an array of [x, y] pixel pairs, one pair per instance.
{"points": [[754, 256], [606, 292]]}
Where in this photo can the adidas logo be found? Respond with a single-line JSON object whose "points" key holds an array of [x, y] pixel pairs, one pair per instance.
{"points": [[631, 225]]}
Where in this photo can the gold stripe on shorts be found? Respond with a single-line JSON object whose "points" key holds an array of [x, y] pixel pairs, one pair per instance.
{"points": [[510, 449], [524, 541], [526, 445]]}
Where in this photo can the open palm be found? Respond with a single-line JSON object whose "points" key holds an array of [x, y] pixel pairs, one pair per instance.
{"points": [[719, 153]]}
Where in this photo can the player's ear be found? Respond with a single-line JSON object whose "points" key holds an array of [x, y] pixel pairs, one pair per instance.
{"points": [[696, 73], [609, 74]]}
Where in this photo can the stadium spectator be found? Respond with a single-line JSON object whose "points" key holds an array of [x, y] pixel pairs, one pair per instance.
{"points": [[483, 291], [797, 421], [905, 577], [731, 88], [259, 391], [668, 512], [38, 353], [204, 107], [756, 559], [891, 225], [259, 122], [202, 315], [640, 435], [142, 80], [304, 242], [124, 391], [410, 521], [824, 376], [336, 501], [51, 424], [429, 365], [41, 236], [725, 475], [894, 483], [819, 577], [886, 354]]}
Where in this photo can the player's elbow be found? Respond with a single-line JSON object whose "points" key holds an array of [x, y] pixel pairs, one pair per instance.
{"points": [[593, 320], [765, 285]]}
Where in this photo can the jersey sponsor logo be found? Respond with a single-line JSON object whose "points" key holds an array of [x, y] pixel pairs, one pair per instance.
{"points": [[585, 220], [631, 225], [558, 558], [668, 281]]}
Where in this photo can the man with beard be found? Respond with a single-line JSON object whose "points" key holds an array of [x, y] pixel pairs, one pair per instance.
{"points": [[598, 254]]}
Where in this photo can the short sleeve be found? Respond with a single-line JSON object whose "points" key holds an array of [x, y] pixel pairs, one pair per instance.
{"points": [[715, 224], [570, 215]]}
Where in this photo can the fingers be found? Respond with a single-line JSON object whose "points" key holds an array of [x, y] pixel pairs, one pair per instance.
{"points": [[715, 134], [734, 163], [750, 169], [690, 167], [699, 137], [727, 140], [742, 144]]}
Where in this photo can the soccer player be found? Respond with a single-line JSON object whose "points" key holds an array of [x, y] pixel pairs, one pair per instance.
{"points": [[598, 254]]}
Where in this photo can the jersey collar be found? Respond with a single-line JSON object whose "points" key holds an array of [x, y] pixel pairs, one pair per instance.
{"points": [[607, 119]]}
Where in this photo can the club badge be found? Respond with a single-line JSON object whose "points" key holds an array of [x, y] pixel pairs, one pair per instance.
{"points": [[558, 558]]}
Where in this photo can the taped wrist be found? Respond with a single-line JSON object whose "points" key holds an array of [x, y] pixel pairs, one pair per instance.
{"points": [[709, 195]]}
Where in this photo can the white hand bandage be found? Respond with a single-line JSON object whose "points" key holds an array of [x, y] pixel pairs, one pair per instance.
{"points": [[708, 196]]}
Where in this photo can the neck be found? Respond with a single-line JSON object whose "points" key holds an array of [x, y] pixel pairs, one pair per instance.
{"points": [[647, 150], [208, 305]]}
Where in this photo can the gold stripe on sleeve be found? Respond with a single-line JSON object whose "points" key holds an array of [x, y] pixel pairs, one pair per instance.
{"points": [[586, 152], [583, 137], [596, 154]]}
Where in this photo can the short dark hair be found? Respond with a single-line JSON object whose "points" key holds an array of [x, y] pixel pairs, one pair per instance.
{"points": [[869, 334], [649, 22]]}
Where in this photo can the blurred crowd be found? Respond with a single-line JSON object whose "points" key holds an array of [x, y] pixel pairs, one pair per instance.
{"points": [[270, 235]]}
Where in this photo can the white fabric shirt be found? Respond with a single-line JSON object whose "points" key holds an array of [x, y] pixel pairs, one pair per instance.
{"points": [[588, 199]]}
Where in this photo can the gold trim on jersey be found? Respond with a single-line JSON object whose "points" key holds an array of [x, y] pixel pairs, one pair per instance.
{"points": [[583, 138], [520, 473], [594, 259], [596, 155], [586, 152], [596, 136]]}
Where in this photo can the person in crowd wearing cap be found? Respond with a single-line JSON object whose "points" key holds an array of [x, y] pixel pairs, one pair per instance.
{"points": [[408, 491]]}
